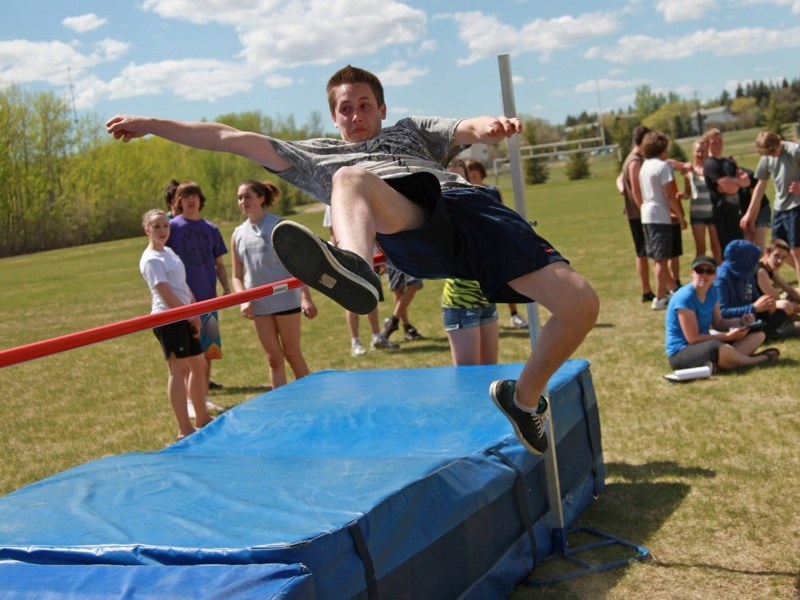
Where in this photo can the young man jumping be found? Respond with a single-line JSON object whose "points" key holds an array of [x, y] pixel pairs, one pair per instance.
{"points": [[388, 185]]}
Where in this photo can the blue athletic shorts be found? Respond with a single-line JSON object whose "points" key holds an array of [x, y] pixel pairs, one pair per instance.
{"points": [[464, 318], [210, 339], [786, 226], [466, 234]]}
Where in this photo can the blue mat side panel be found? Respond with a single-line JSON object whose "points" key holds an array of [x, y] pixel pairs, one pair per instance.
{"points": [[491, 540], [282, 478], [217, 582]]}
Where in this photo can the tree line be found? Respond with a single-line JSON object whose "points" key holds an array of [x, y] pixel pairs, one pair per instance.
{"points": [[65, 182], [769, 105]]}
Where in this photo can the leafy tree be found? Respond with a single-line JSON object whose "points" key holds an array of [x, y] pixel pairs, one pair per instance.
{"points": [[774, 116], [674, 118], [675, 151], [536, 169], [647, 101], [577, 166]]}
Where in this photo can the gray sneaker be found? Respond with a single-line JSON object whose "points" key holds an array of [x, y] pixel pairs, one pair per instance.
{"points": [[529, 427], [341, 275], [381, 343], [517, 322]]}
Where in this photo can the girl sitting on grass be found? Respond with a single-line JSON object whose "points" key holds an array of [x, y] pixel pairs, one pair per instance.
{"points": [[166, 277], [693, 311]]}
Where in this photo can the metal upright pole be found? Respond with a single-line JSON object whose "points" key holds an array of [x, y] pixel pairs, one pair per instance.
{"points": [[550, 458]]}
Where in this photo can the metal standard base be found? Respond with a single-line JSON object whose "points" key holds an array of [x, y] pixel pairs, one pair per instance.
{"points": [[584, 568]]}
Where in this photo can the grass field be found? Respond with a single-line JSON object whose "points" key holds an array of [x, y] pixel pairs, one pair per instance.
{"points": [[705, 474]]}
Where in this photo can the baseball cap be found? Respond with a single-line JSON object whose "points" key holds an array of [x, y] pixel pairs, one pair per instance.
{"points": [[704, 260]]}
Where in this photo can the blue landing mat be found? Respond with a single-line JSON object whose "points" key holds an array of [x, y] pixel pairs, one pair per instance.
{"points": [[390, 483]]}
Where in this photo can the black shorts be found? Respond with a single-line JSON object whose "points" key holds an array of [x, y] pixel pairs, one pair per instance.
{"points": [[466, 234], [658, 240], [399, 281], [637, 233], [677, 241], [178, 339], [764, 216]]}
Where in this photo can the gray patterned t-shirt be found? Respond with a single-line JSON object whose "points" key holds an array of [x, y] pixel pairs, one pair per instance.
{"points": [[412, 145]]}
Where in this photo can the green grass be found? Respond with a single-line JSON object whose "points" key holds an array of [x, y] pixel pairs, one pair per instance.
{"points": [[705, 474]]}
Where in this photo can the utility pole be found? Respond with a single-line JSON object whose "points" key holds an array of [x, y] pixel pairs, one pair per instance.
{"points": [[72, 96], [600, 114], [697, 112]]}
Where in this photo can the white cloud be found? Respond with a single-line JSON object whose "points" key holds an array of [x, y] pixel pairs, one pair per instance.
{"points": [[278, 81], [485, 36], [605, 84], [425, 47], [24, 61], [84, 23], [684, 10], [191, 79], [794, 5], [400, 73], [303, 32], [733, 42]]}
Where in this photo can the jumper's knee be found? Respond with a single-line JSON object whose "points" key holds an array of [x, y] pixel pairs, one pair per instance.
{"points": [[350, 178]]}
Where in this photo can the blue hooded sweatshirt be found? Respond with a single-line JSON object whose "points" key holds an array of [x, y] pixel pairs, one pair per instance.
{"points": [[736, 279]]}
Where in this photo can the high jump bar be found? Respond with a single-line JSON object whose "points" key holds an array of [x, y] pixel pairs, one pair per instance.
{"points": [[70, 341]]}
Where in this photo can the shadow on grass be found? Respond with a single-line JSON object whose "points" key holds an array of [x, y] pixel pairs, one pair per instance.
{"points": [[632, 510], [425, 346]]}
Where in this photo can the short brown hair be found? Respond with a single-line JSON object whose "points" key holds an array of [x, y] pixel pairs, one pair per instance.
{"points": [[476, 165], [638, 134], [349, 75], [767, 142], [777, 244], [187, 188], [654, 144]]}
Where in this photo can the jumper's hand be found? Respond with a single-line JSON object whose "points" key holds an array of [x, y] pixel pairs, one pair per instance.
{"points": [[126, 127], [503, 127]]}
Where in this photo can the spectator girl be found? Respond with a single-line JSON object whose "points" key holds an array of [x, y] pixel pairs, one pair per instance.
{"points": [[166, 277], [276, 318]]}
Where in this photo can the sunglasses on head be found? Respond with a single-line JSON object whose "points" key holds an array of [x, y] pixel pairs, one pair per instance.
{"points": [[705, 270]]}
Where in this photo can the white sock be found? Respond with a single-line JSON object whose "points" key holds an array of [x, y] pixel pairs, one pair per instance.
{"points": [[533, 411]]}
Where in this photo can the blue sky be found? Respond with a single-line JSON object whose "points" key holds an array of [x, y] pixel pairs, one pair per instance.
{"points": [[193, 59]]}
